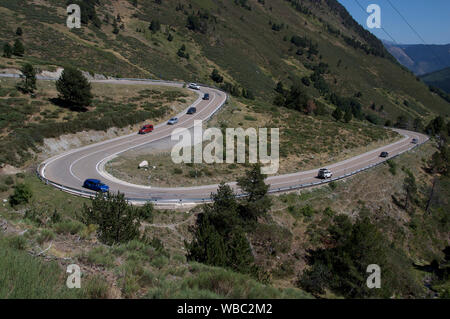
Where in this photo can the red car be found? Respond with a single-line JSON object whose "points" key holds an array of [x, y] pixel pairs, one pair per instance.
{"points": [[146, 129]]}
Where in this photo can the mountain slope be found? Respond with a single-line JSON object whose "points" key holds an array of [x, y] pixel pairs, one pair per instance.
{"points": [[249, 42], [420, 58], [440, 79]]}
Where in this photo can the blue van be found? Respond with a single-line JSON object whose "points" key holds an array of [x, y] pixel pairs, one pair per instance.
{"points": [[95, 185]]}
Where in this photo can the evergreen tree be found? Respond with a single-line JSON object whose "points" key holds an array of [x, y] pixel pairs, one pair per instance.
{"points": [[239, 253], [28, 84], [341, 267], [155, 26], [7, 50], [337, 114], [19, 31], [348, 116], [208, 245], [22, 195], [216, 77], [115, 27], [218, 238], [279, 88], [74, 88], [18, 48], [117, 220], [410, 187], [257, 203]]}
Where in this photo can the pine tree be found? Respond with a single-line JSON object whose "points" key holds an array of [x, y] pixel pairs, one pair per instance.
{"points": [[257, 203], [18, 48], [74, 88], [208, 245], [19, 31], [337, 114], [7, 50], [348, 116], [239, 253], [28, 84], [216, 77], [117, 220], [279, 88], [155, 26], [410, 187]]}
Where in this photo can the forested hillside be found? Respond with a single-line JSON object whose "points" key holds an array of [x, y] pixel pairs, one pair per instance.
{"points": [[252, 45]]}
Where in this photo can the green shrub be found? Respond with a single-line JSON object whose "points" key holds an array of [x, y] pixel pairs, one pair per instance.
{"points": [[20, 175], [9, 180], [22, 195], [392, 166], [100, 256], [45, 235], [307, 211], [177, 171], [17, 242], [68, 227], [332, 185], [159, 262], [96, 288]]}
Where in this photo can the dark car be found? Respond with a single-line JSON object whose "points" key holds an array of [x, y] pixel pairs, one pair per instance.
{"points": [[206, 96], [384, 154], [191, 110], [146, 129], [95, 185]]}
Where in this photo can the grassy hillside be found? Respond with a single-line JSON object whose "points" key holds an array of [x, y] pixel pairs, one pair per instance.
{"points": [[248, 42], [155, 266], [26, 121], [439, 79]]}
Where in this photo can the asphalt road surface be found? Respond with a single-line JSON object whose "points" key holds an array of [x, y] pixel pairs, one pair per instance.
{"points": [[71, 168]]}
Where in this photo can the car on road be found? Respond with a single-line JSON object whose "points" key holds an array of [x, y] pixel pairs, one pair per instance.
{"points": [[206, 96], [95, 185], [384, 154], [194, 86], [191, 110], [146, 129], [324, 173], [415, 141], [173, 120]]}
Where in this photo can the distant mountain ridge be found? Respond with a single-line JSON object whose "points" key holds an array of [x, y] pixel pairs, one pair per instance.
{"points": [[420, 58], [439, 79]]}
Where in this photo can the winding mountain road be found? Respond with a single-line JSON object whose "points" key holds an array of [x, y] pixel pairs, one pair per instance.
{"points": [[68, 170]]}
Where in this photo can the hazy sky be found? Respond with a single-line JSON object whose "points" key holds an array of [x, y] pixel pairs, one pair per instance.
{"points": [[430, 19]]}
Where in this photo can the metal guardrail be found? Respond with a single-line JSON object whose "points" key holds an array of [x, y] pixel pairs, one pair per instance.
{"points": [[87, 194], [156, 201], [165, 202]]}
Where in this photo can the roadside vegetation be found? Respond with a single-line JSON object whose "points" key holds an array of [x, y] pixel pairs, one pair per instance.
{"points": [[251, 247], [25, 121]]}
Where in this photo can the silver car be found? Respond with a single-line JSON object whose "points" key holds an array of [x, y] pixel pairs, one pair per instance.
{"points": [[173, 120], [194, 86]]}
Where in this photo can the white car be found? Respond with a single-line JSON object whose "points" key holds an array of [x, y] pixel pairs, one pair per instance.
{"points": [[324, 173], [173, 120], [194, 86]]}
